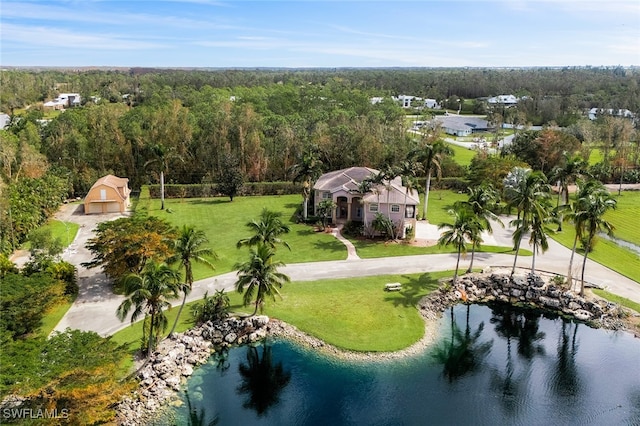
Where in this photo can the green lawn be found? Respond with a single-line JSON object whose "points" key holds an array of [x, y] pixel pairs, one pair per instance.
{"points": [[462, 156], [618, 299], [626, 216], [440, 202], [53, 317], [354, 313], [606, 253], [224, 223], [596, 156], [368, 249], [65, 231]]}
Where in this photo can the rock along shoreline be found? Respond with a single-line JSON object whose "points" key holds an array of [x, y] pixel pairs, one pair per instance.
{"points": [[175, 359]]}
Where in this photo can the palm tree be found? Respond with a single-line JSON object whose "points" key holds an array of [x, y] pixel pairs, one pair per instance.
{"points": [[530, 196], [577, 215], [266, 230], [189, 248], [458, 232], [408, 172], [260, 276], [387, 175], [573, 167], [595, 206], [364, 188], [163, 155], [148, 293], [431, 155], [481, 200], [307, 170], [538, 234]]}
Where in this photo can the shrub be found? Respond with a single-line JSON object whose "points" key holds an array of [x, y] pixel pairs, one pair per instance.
{"points": [[214, 308], [353, 229]]}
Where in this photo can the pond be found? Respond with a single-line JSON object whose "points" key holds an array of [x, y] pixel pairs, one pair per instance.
{"points": [[493, 365]]}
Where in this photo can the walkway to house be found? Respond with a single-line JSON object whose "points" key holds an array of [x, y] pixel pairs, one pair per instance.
{"points": [[351, 250]]}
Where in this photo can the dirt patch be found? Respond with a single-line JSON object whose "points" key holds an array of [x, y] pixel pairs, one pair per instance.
{"points": [[423, 243]]}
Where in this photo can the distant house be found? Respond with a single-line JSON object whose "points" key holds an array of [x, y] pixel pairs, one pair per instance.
{"points": [[622, 113], [64, 100], [110, 194], [431, 104], [4, 121], [460, 125], [405, 100], [341, 186], [376, 100], [503, 100]]}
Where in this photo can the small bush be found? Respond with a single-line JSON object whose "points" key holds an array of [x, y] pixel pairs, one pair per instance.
{"points": [[353, 229], [214, 308]]}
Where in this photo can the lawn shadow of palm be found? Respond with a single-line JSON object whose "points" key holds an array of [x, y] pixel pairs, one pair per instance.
{"points": [[208, 201], [413, 289], [333, 246]]}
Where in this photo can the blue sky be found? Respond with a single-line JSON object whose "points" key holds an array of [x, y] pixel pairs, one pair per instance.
{"points": [[204, 33]]}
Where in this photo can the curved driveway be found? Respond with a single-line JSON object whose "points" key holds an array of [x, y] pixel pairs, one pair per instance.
{"points": [[95, 307]]}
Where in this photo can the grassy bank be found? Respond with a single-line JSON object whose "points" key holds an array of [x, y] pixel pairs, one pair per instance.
{"points": [[354, 313], [606, 253]]}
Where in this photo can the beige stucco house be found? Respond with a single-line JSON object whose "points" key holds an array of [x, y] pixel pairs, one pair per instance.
{"points": [[110, 194], [343, 188]]}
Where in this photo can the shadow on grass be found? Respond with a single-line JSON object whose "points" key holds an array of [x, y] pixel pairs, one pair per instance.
{"points": [[331, 246], [413, 290], [207, 201], [306, 232]]}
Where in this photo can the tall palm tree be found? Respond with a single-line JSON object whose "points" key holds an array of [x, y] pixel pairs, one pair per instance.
{"points": [[306, 171], [189, 247], [364, 188], [458, 232], [266, 230], [149, 293], [482, 199], [408, 172], [162, 156], [593, 222], [259, 276], [387, 175], [431, 155], [572, 167], [538, 233], [577, 215], [530, 196]]}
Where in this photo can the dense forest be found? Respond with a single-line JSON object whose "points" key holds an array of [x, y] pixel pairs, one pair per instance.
{"points": [[191, 124]]}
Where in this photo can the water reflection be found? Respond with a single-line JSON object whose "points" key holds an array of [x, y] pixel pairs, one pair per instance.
{"points": [[501, 365], [462, 353], [262, 380], [197, 417]]}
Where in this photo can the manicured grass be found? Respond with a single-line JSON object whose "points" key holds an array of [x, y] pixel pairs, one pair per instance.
{"points": [[462, 156], [65, 231], [440, 202], [353, 313], [368, 249], [618, 299], [626, 216], [224, 223], [596, 156], [606, 253], [53, 317]]}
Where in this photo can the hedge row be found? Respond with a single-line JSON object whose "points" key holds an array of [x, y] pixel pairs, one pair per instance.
{"points": [[210, 190]]}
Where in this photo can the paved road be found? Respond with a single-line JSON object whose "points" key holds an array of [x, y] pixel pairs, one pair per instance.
{"points": [[95, 306]]}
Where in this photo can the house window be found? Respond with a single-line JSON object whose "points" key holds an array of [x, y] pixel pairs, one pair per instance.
{"points": [[395, 208], [326, 195], [358, 212], [373, 208], [410, 212], [103, 194]]}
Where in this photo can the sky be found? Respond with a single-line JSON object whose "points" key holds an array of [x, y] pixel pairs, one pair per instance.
{"points": [[327, 34]]}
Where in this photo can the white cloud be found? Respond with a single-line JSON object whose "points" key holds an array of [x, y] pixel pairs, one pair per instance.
{"points": [[55, 37]]}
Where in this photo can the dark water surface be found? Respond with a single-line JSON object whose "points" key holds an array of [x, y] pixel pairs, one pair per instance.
{"points": [[495, 366]]}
